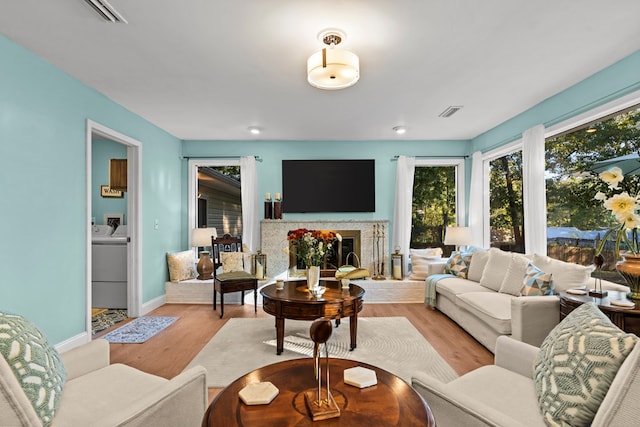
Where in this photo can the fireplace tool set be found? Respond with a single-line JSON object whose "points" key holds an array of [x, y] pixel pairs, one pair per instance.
{"points": [[378, 262]]}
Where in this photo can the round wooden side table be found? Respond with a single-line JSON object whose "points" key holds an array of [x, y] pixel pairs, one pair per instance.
{"points": [[627, 319]]}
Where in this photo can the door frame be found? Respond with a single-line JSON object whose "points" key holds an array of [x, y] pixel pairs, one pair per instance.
{"points": [[134, 213]]}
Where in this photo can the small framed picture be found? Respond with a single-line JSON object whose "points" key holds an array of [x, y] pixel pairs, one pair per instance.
{"points": [[106, 191]]}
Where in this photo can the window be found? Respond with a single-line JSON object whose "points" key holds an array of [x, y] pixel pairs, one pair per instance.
{"points": [[506, 215], [574, 219], [438, 197]]}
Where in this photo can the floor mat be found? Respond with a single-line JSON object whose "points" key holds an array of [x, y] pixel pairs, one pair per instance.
{"points": [[107, 319], [139, 330]]}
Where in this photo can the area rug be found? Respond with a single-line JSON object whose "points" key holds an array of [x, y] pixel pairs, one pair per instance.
{"points": [[139, 330], [391, 343], [103, 318]]}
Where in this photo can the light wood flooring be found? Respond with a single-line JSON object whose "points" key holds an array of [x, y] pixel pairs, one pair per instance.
{"points": [[168, 353]]}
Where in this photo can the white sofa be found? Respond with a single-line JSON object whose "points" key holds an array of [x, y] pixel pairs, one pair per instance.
{"points": [[95, 392], [511, 392], [485, 300]]}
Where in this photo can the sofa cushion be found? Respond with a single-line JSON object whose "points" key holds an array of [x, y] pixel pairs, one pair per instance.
{"points": [[576, 364], [566, 275], [83, 402], [34, 362], [502, 390], [181, 266], [478, 262], [458, 264], [493, 308], [536, 282], [496, 269], [512, 282], [451, 287]]}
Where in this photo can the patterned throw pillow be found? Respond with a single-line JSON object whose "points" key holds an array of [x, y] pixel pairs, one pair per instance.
{"points": [[536, 282], [576, 364], [458, 264], [181, 266], [231, 261], [35, 363]]}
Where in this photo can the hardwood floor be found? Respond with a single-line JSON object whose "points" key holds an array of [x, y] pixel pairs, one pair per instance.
{"points": [[168, 353]]}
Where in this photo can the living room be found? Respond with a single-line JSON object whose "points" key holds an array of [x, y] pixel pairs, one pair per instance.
{"points": [[43, 154]]}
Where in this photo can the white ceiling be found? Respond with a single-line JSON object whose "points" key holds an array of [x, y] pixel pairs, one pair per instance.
{"points": [[209, 69]]}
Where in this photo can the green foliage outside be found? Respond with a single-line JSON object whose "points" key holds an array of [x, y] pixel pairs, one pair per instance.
{"points": [[434, 205], [505, 200]]}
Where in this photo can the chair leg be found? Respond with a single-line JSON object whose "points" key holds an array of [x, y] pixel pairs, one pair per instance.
{"points": [[214, 299], [255, 300], [221, 304], [242, 298]]}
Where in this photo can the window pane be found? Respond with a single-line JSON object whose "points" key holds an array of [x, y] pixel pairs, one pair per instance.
{"points": [[219, 199], [505, 198], [575, 220], [434, 205]]}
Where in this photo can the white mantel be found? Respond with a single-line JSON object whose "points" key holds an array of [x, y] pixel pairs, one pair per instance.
{"points": [[274, 240]]}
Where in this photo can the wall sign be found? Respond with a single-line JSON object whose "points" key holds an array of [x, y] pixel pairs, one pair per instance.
{"points": [[106, 191]]}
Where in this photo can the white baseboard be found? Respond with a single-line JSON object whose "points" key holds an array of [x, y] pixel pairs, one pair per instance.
{"points": [[153, 304], [73, 342]]}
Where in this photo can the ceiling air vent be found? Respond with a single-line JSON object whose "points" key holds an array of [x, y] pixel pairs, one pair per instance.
{"points": [[106, 11], [450, 111]]}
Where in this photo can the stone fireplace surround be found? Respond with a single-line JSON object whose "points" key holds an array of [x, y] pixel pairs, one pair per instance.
{"points": [[274, 240]]}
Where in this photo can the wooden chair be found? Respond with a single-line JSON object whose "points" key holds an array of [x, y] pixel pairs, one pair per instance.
{"points": [[232, 281]]}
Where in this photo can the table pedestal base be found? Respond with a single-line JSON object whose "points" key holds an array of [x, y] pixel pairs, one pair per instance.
{"points": [[319, 407]]}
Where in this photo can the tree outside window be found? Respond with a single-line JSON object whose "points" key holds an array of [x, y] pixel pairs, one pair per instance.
{"points": [[505, 198]]}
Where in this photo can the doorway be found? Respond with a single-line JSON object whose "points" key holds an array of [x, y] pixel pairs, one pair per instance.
{"points": [[96, 131]]}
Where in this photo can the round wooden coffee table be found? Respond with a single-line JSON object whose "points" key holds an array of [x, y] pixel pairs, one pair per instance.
{"points": [[627, 319], [391, 402], [296, 302]]}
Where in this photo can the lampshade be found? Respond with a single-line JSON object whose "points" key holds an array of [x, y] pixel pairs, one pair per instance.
{"points": [[458, 236], [333, 68], [202, 236]]}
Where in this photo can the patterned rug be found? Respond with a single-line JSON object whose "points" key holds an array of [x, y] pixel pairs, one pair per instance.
{"points": [[103, 318], [139, 330]]}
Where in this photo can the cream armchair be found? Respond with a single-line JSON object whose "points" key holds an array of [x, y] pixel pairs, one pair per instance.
{"points": [[504, 394], [99, 394]]}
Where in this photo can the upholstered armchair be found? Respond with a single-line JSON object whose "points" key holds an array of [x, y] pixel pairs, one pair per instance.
{"points": [[597, 389], [81, 388]]}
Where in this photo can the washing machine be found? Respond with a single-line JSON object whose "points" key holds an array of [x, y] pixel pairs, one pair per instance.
{"points": [[109, 266]]}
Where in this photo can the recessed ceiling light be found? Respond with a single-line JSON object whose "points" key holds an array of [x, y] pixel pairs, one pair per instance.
{"points": [[400, 130], [255, 130], [591, 129]]}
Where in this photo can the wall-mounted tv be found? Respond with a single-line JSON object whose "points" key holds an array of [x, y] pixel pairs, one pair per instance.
{"points": [[328, 186]]}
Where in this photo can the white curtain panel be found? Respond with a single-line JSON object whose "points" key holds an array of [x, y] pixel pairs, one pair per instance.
{"points": [[534, 197], [476, 200], [402, 208], [250, 214]]}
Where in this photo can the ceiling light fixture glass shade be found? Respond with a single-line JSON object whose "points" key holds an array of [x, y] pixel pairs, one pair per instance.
{"points": [[333, 68]]}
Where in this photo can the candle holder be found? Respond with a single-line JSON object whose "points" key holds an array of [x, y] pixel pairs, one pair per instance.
{"points": [[397, 265], [260, 265], [268, 207]]}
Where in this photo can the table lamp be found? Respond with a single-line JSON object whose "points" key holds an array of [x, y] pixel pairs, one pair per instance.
{"points": [[202, 237], [458, 236]]}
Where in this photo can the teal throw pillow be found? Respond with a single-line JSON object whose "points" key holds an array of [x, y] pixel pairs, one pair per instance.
{"points": [[576, 364], [458, 264], [536, 282], [35, 363]]}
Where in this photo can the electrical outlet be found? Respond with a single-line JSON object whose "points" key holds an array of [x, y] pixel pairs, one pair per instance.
{"points": [[156, 224]]}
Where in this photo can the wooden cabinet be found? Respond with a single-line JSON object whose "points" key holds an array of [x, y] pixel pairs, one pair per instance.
{"points": [[118, 174]]}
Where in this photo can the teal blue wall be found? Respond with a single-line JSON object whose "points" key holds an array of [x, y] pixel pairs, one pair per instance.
{"points": [[102, 150], [43, 114], [613, 82], [273, 152]]}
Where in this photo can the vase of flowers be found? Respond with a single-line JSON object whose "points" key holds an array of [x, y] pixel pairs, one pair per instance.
{"points": [[312, 247], [625, 208]]}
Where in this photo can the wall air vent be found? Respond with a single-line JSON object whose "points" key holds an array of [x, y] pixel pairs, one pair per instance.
{"points": [[450, 111], [106, 11]]}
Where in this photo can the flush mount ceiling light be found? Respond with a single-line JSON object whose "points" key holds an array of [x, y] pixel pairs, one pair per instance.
{"points": [[400, 130], [333, 68], [255, 130], [106, 11]]}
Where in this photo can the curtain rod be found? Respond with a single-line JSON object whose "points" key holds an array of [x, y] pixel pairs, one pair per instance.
{"points": [[258, 158], [435, 157]]}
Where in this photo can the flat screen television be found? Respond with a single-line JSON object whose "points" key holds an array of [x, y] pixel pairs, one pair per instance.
{"points": [[328, 186]]}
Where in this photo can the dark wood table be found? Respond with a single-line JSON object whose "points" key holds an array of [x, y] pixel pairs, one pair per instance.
{"points": [[391, 402], [627, 319], [296, 302]]}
